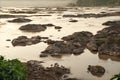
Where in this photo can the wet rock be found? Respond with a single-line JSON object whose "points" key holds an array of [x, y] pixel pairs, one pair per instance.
{"points": [[42, 15], [20, 20], [39, 72], [49, 25], [106, 41], [33, 28], [79, 38], [112, 23], [23, 41], [58, 27], [72, 44], [73, 20], [93, 15], [43, 55], [71, 79], [8, 40], [11, 16], [23, 12], [96, 70]]}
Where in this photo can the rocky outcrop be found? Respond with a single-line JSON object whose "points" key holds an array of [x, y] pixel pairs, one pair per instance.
{"points": [[33, 28], [39, 72], [19, 20], [93, 15], [106, 41], [96, 70], [72, 44], [23, 41]]}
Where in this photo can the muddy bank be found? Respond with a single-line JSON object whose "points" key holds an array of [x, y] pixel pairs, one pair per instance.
{"points": [[55, 72], [72, 44], [106, 41], [93, 15]]}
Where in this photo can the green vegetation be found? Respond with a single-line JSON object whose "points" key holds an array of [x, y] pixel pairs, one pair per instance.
{"points": [[98, 3], [116, 77], [12, 70]]}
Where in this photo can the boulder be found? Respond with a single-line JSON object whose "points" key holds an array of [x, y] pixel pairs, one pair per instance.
{"points": [[106, 41], [23, 41], [33, 28], [96, 70], [19, 20]]}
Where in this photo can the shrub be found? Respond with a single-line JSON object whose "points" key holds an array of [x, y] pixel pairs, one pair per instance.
{"points": [[12, 70], [116, 77]]}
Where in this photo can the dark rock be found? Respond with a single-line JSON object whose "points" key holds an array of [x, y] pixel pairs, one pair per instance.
{"points": [[71, 79], [11, 16], [73, 21], [112, 23], [43, 55], [79, 38], [23, 12], [39, 72], [73, 44], [49, 25], [96, 70], [8, 40], [58, 27], [44, 37], [20, 20], [93, 15], [33, 28], [23, 41], [106, 41]]}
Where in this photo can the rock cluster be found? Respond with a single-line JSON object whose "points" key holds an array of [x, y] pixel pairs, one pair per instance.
{"points": [[39, 72], [23, 41], [107, 41], [72, 44]]}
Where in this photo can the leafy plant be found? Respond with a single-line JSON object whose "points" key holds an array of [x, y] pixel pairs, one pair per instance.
{"points": [[116, 77], [12, 70]]}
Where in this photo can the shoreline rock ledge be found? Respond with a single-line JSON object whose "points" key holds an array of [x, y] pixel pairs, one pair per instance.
{"points": [[107, 41]]}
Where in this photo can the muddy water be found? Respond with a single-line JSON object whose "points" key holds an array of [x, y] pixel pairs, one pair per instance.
{"points": [[77, 63]]}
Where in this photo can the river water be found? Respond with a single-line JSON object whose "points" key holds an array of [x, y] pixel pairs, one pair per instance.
{"points": [[78, 64]]}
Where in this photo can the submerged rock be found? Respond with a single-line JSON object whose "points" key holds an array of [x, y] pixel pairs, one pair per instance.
{"points": [[33, 28], [96, 70], [23, 41], [106, 41], [20, 20]]}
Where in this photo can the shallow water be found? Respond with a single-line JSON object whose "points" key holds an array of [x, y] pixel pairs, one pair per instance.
{"points": [[77, 63]]}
